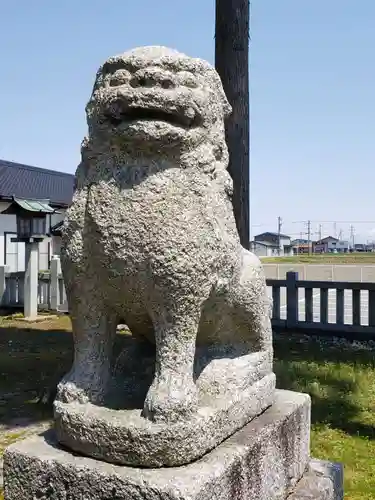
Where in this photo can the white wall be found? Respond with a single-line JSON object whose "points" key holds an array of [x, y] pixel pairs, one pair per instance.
{"points": [[288, 251], [7, 224], [285, 241], [263, 250], [15, 251], [56, 240], [339, 245], [56, 245]]}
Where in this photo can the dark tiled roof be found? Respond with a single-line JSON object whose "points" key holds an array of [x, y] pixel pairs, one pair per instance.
{"points": [[270, 235], [24, 181], [326, 239]]}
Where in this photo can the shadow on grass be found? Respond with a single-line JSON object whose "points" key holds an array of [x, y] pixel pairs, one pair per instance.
{"points": [[32, 362], [338, 375], [30, 359]]}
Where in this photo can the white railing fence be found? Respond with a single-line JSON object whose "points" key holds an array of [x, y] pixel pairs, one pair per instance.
{"points": [[333, 307], [51, 290], [336, 307]]}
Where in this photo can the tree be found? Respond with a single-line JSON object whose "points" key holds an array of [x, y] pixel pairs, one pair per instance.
{"points": [[232, 63]]}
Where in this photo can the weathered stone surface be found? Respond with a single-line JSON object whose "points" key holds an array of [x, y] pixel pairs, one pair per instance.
{"points": [[322, 481], [151, 241], [125, 437], [263, 461]]}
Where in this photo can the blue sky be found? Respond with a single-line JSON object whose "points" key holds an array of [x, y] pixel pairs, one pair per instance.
{"points": [[312, 94]]}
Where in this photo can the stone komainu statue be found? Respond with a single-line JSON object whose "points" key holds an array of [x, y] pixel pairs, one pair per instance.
{"points": [[151, 240]]}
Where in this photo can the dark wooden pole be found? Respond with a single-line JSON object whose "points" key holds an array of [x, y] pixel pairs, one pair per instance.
{"points": [[232, 63]]}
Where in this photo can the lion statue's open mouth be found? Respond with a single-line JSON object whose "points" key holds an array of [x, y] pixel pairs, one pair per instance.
{"points": [[187, 119]]}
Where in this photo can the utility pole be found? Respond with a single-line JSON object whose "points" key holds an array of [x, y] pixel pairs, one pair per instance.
{"points": [[352, 235], [320, 232], [279, 226], [335, 230], [232, 22], [309, 236]]}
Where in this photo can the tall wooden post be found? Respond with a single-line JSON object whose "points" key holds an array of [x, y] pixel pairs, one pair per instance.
{"points": [[232, 63]]}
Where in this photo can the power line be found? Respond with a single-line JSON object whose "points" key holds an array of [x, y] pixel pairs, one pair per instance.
{"points": [[319, 222], [337, 222]]}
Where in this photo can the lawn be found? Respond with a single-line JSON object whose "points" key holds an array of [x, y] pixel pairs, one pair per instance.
{"points": [[338, 375], [364, 258]]}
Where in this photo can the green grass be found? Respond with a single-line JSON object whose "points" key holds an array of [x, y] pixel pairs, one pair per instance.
{"points": [[345, 258], [339, 376]]}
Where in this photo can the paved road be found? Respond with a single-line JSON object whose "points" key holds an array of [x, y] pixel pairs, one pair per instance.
{"points": [[324, 272], [331, 305]]}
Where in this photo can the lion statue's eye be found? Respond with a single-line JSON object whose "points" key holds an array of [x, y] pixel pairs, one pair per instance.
{"points": [[119, 77], [187, 79]]}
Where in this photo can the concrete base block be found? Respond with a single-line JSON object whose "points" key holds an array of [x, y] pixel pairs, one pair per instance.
{"points": [[264, 461], [322, 481]]}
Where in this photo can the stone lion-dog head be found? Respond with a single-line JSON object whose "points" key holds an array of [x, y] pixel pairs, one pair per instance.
{"points": [[157, 99]]}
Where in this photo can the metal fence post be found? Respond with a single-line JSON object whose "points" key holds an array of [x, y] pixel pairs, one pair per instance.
{"points": [[3, 271], [54, 284], [291, 299]]}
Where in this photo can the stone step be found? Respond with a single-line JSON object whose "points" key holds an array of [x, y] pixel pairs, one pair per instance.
{"points": [[265, 460]]}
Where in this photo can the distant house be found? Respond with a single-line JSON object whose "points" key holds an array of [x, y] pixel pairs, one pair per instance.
{"points": [[263, 249], [31, 183], [360, 247], [331, 245], [301, 245], [271, 244]]}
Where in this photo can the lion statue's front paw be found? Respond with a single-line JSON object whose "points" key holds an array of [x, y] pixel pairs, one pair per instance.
{"points": [[170, 401], [74, 389]]}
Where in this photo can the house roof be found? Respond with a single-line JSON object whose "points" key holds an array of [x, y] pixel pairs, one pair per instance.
{"points": [[326, 239], [33, 183], [272, 235], [300, 241]]}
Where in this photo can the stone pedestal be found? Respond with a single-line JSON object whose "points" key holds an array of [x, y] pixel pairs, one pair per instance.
{"points": [[268, 459]]}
